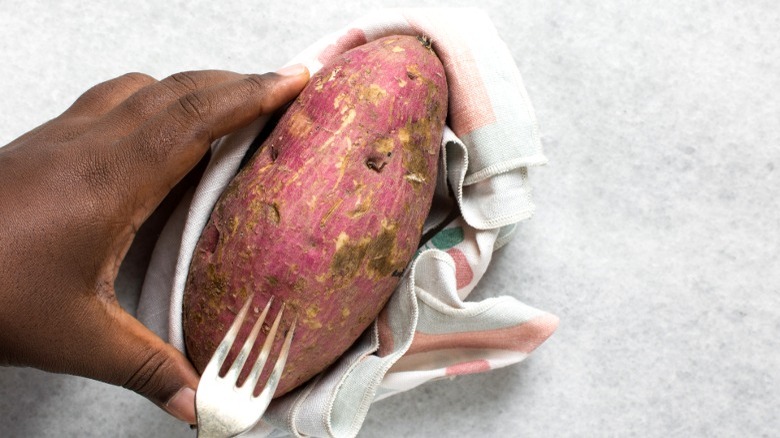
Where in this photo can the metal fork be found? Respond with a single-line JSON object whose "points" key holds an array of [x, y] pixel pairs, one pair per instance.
{"points": [[225, 409]]}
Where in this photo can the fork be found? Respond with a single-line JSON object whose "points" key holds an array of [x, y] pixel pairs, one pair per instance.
{"points": [[225, 409]]}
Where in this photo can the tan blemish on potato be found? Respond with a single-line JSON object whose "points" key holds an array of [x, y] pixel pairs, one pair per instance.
{"points": [[300, 124], [347, 119], [246, 254], [263, 210], [414, 178], [341, 240], [232, 224], [362, 198], [321, 81], [379, 252], [403, 135], [397, 49], [339, 164], [384, 145], [413, 72], [401, 83], [362, 206], [300, 284], [216, 286], [231, 191], [357, 186], [271, 211], [337, 101], [271, 280], [342, 160], [416, 141], [330, 211], [372, 93], [348, 257], [334, 73], [310, 317]]}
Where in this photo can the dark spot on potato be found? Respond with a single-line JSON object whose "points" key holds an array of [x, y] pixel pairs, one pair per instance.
{"points": [[231, 192], [415, 145], [379, 252], [375, 165], [347, 260], [269, 211], [300, 285], [426, 42], [272, 210], [214, 288]]}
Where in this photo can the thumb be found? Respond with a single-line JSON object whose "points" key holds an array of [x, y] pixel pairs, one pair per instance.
{"points": [[135, 358]]}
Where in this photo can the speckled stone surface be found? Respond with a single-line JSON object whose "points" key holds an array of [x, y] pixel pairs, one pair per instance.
{"points": [[656, 238]]}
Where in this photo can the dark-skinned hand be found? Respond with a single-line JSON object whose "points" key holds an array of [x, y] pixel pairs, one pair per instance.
{"points": [[73, 194]]}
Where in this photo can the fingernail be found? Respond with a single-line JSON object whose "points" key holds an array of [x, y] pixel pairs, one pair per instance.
{"points": [[292, 70], [182, 405]]}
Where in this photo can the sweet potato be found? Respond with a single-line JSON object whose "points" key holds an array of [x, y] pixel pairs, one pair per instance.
{"points": [[328, 213]]}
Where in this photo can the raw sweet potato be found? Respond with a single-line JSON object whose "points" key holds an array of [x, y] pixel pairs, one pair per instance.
{"points": [[328, 213]]}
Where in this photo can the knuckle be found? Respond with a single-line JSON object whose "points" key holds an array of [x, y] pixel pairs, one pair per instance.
{"points": [[136, 79], [184, 79], [127, 83], [148, 379], [180, 83], [111, 90], [192, 107], [259, 84]]}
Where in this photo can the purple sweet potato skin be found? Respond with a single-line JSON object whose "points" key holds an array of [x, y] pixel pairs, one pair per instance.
{"points": [[329, 212]]}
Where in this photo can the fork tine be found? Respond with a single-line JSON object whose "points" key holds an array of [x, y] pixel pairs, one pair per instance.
{"points": [[215, 395], [238, 364], [257, 368], [224, 347], [273, 381]]}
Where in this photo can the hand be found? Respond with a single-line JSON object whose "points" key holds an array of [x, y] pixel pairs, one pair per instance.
{"points": [[73, 193]]}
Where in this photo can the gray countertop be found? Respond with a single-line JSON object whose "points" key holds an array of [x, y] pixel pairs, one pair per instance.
{"points": [[656, 238]]}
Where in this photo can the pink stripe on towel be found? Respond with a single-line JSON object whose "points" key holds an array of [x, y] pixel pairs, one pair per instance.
{"points": [[473, 367], [524, 337], [470, 105], [351, 39]]}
